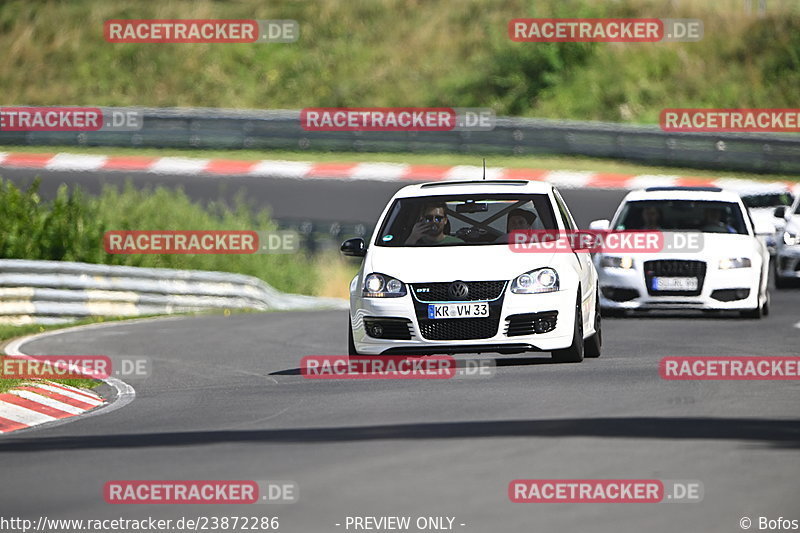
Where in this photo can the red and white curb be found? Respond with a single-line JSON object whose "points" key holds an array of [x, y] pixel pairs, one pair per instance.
{"points": [[43, 402], [40, 402], [360, 171]]}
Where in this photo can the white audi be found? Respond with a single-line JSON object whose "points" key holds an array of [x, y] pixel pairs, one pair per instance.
{"points": [[726, 270], [787, 258], [439, 276]]}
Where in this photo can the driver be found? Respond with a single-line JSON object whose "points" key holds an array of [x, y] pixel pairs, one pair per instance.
{"points": [[713, 221], [430, 227]]}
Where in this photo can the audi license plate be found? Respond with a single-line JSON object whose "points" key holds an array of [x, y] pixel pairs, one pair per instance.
{"points": [[459, 310], [674, 284]]}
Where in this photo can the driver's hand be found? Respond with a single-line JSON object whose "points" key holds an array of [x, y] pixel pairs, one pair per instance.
{"points": [[420, 230]]}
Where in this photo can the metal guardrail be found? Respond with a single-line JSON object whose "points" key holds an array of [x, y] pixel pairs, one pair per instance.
{"points": [[56, 291], [255, 129]]}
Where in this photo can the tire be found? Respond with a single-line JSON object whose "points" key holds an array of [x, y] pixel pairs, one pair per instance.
{"points": [[782, 283], [351, 345], [760, 311], [752, 313], [592, 346], [574, 353], [612, 312]]}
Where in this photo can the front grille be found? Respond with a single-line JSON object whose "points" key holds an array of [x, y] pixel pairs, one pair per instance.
{"points": [[478, 291], [676, 268], [530, 323], [451, 329], [388, 328]]}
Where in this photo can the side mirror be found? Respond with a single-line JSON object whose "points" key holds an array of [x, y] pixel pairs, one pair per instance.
{"points": [[354, 247], [780, 212], [600, 225]]}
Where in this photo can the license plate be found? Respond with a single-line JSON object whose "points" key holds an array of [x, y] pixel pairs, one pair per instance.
{"points": [[674, 284], [459, 310]]}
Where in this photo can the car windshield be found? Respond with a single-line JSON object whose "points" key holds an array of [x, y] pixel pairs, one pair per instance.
{"points": [[682, 215], [767, 200], [463, 219]]}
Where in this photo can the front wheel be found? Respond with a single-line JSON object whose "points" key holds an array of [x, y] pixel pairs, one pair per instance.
{"points": [[592, 345], [574, 353], [781, 282], [351, 345]]}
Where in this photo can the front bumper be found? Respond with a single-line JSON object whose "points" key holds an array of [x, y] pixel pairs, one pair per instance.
{"points": [[562, 303], [622, 289]]}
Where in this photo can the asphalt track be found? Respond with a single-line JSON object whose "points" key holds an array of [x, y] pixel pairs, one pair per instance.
{"points": [[287, 199], [225, 401]]}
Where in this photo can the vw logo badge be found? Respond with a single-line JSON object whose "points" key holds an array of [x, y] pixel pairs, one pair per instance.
{"points": [[458, 290]]}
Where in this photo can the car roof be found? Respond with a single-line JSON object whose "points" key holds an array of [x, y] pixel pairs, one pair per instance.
{"points": [[444, 188], [683, 193], [749, 188]]}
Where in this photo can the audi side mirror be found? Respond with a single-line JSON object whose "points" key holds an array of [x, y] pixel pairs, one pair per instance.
{"points": [[600, 225]]}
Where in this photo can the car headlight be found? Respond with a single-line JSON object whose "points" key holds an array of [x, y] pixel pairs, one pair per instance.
{"points": [[625, 262], [382, 286], [735, 262], [535, 281], [790, 239]]}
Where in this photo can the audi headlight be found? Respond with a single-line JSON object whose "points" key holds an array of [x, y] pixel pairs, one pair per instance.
{"points": [[625, 262], [535, 281], [790, 239], [382, 286], [735, 262]]}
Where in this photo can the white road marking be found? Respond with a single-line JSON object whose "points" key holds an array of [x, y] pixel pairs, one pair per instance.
{"points": [[76, 162], [69, 394], [178, 165], [44, 400], [281, 169], [22, 415]]}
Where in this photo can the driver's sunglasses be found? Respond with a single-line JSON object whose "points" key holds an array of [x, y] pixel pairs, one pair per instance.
{"points": [[433, 218]]}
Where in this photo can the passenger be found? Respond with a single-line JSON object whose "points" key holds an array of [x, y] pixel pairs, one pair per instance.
{"points": [[651, 217]]}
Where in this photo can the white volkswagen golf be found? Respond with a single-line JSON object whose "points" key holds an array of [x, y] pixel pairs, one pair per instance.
{"points": [[439, 276], [728, 271]]}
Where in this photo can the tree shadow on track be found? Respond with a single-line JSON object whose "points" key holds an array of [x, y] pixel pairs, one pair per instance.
{"points": [[783, 434]]}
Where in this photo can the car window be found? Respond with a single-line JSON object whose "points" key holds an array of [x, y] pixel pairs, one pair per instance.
{"points": [[569, 223], [767, 200], [682, 215], [462, 219]]}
